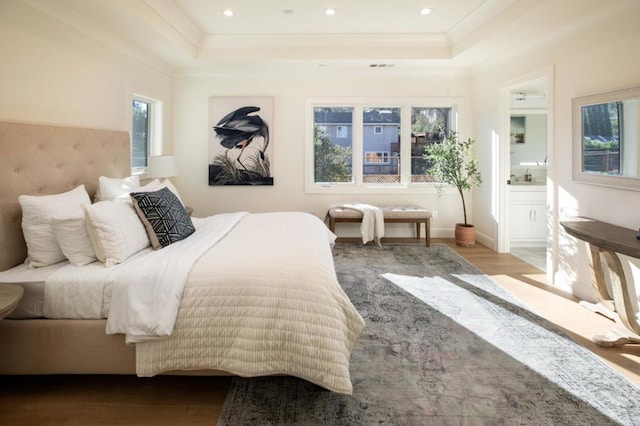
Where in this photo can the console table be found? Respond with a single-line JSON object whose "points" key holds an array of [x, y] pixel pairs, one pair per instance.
{"points": [[620, 302]]}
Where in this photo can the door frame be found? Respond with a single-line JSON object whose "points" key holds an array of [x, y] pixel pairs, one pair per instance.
{"points": [[504, 170]]}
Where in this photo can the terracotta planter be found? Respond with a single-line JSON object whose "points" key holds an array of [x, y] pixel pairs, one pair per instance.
{"points": [[465, 235]]}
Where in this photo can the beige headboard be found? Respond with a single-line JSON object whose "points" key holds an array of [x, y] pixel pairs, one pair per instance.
{"points": [[43, 160]]}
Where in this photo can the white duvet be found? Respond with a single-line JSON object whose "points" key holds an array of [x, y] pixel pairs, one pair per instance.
{"points": [[262, 300]]}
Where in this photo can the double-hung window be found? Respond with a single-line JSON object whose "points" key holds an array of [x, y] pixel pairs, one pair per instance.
{"points": [[374, 147], [146, 131]]}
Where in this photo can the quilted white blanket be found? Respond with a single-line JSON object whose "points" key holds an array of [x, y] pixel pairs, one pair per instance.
{"points": [[264, 300]]}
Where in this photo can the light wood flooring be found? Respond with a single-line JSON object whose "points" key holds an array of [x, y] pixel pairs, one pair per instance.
{"points": [[169, 400]]}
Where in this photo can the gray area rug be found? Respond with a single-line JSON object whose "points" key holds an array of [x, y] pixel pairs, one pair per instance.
{"points": [[443, 345]]}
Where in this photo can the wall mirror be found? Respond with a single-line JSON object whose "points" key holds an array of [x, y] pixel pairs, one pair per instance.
{"points": [[606, 142]]}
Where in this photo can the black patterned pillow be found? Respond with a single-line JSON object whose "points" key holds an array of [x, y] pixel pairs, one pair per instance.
{"points": [[163, 215]]}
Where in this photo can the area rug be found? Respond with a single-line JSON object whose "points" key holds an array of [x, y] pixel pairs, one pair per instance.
{"points": [[443, 345]]}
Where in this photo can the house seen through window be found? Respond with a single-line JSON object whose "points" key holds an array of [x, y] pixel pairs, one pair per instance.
{"points": [[377, 146]]}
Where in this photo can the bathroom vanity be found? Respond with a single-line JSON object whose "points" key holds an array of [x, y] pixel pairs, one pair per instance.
{"points": [[528, 214]]}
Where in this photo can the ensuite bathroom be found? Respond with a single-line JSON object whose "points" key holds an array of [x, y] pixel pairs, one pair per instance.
{"points": [[528, 181]]}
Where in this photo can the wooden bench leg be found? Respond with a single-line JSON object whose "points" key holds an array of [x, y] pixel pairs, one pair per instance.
{"points": [[417, 230], [427, 232]]}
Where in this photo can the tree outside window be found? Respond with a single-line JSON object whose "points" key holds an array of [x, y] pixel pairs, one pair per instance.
{"points": [[428, 126], [140, 134], [332, 163]]}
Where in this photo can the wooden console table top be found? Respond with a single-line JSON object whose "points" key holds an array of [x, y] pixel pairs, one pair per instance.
{"points": [[604, 235]]}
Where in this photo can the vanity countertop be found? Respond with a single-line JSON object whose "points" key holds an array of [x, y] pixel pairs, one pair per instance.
{"points": [[528, 186], [528, 183]]}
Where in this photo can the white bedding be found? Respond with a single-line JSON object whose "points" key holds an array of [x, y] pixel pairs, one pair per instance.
{"points": [[32, 281], [144, 290], [147, 289], [262, 300]]}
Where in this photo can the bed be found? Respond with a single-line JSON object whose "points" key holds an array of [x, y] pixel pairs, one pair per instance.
{"points": [[261, 299]]}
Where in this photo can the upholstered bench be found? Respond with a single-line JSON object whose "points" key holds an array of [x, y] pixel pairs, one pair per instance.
{"points": [[403, 214]]}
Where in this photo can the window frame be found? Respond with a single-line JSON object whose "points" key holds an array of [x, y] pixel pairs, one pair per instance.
{"points": [[384, 156], [377, 130], [357, 186], [154, 131]]}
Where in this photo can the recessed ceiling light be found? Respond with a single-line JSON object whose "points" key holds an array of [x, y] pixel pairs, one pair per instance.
{"points": [[288, 11], [425, 11], [330, 11], [228, 12]]}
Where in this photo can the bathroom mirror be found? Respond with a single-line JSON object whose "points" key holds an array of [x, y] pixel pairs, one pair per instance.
{"points": [[606, 129]]}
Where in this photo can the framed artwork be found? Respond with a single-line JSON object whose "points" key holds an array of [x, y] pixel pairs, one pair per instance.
{"points": [[240, 147], [517, 129]]}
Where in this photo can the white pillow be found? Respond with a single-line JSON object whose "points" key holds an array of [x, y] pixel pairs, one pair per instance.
{"points": [[156, 185], [112, 188], [73, 238], [115, 230], [37, 211]]}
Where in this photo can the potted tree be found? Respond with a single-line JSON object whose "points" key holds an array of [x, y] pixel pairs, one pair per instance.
{"points": [[452, 164]]}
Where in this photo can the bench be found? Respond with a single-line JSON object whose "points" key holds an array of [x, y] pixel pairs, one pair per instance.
{"points": [[407, 214]]}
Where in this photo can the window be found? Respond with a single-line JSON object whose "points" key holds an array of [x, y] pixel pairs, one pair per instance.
{"points": [[428, 125], [146, 131], [140, 134], [376, 157], [377, 168], [601, 139], [361, 147], [332, 157]]}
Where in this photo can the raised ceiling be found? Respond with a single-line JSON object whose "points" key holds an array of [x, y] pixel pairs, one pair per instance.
{"points": [[193, 35]]}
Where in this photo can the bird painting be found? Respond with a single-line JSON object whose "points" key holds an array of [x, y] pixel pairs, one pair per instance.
{"points": [[238, 130]]}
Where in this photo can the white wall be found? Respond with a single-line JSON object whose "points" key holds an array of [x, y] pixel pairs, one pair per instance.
{"points": [[288, 162], [51, 74], [603, 58]]}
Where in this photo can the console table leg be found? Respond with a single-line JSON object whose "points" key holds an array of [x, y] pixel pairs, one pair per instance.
{"points": [[608, 240], [617, 337], [599, 308], [627, 328], [605, 300], [624, 293]]}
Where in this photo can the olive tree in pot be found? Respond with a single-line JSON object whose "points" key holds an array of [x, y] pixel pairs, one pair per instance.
{"points": [[452, 164]]}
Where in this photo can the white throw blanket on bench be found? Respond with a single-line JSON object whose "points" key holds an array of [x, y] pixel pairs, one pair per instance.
{"points": [[372, 227]]}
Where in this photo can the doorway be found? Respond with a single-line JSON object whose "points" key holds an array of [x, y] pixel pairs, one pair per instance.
{"points": [[525, 156]]}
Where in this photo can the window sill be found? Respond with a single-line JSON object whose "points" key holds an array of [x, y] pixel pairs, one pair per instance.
{"points": [[425, 188]]}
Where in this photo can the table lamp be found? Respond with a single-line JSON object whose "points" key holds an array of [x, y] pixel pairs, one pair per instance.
{"points": [[162, 166]]}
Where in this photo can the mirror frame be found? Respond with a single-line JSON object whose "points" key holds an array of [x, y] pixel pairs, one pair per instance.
{"points": [[621, 182]]}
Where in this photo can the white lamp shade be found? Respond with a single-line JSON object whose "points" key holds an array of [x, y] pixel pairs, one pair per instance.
{"points": [[162, 166]]}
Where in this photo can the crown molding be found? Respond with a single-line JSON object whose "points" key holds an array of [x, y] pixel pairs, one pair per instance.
{"points": [[55, 10]]}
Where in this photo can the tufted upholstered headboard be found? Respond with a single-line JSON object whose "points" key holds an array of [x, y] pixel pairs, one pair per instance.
{"points": [[43, 160]]}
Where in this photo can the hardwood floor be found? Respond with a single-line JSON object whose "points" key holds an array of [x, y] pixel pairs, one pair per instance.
{"points": [[165, 400], [529, 284]]}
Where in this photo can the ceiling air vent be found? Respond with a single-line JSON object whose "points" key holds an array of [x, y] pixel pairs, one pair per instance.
{"points": [[381, 65]]}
